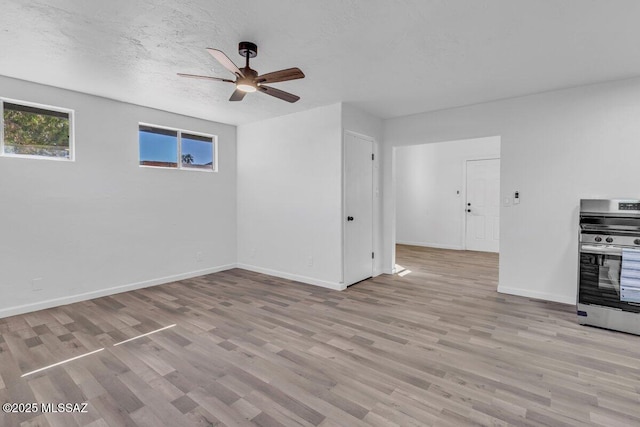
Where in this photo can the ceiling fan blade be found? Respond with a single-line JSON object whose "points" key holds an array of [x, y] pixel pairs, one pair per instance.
{"points": [[285, 96], [281, 76], [225, 61], [237, 95], [193, 76]]}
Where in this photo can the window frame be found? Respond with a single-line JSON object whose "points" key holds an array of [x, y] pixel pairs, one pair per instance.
{"points": [[214, 142], [72, 139]]}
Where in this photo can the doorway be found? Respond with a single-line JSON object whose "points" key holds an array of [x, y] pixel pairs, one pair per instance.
{"points": [[358, 208], [431, 191]]}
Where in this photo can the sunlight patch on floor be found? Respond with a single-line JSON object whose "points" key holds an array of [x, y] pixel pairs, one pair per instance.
{"points": [[401, 271], [95, 351], [62, 362]]}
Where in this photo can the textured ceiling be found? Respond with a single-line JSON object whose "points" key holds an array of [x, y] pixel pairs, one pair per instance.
{"points": [[389, 57]]}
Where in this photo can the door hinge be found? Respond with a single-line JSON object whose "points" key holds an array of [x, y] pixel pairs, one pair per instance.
{"points": [[373, 156], [372, 255]]}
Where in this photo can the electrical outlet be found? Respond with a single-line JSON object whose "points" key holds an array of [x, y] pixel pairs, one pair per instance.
{"points": [[198, 256], [36, 284]]}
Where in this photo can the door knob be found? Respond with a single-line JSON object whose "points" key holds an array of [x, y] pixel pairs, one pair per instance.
{"points": [[468, 210], [349, 218], [468, 204]]}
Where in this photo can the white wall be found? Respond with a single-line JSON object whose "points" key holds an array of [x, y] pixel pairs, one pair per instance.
{"points": [[556, 148], [430, 190], [360, 122], [102, 224], [290, 196]]}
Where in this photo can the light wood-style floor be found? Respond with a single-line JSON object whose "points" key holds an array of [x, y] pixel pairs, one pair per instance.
{"points": [[438, 346]]}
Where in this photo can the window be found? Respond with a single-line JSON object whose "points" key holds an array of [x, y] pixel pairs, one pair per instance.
{"points": [[31, 130], [158, 147], [174, 148]]}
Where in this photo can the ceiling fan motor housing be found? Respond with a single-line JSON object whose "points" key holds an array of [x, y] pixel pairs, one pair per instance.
{"points": [[249, 73], [249, 48]]}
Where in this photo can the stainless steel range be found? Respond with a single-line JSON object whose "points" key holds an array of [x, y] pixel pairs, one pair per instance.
{"points": [[609, 266]]}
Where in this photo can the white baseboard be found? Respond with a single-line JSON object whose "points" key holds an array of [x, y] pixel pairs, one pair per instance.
{"points": [[430, 245], [41, 305], [537, 295], [296, 277]]}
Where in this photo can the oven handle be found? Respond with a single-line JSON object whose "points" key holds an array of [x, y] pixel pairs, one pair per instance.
{"points": [[601, 250]]}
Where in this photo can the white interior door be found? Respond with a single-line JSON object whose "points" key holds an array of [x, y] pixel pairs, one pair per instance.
{"points": [[358, 211], [483, 205]]}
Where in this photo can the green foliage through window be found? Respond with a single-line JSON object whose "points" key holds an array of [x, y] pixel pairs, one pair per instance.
{"points": [[35, 131]]}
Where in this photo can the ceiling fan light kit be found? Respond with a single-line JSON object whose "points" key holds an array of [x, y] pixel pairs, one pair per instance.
{"points": [[247, 79], [246, 85]]}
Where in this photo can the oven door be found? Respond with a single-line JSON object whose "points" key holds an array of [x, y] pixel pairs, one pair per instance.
{"points": [[599, 277]]}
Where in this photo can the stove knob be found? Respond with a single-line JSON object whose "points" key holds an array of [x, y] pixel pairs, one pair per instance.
{"points": [[609, 240], [636, 242], [598, 239]]}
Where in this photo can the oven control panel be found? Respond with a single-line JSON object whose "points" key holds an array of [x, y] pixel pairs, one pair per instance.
{"points": [[628, 206], [610, 207]]}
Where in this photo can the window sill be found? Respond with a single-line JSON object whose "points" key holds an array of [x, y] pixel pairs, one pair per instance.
{"points": [[178, 169], [34, 157]]}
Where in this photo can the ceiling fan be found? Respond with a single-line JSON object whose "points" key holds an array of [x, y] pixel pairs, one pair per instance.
{"points": [[247, 79]]}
